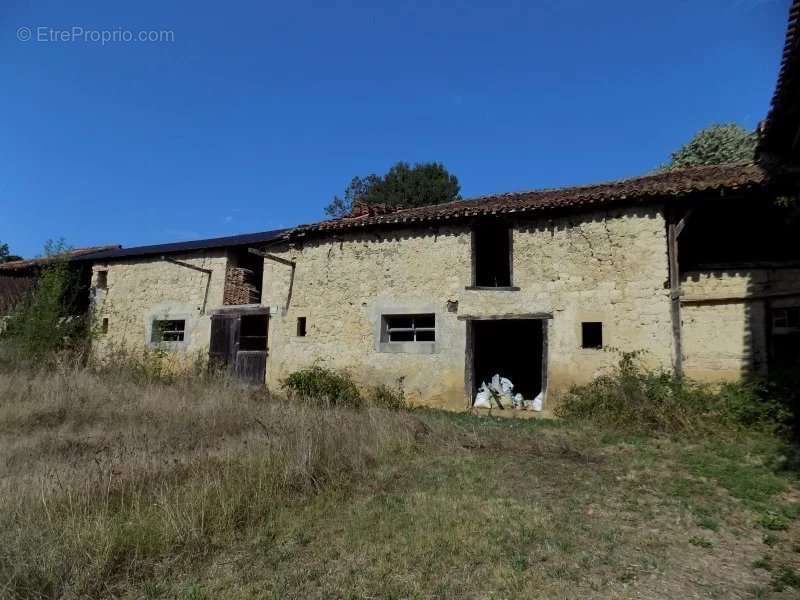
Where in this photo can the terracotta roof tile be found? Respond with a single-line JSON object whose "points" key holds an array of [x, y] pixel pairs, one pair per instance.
{"points": [[19, 265], [781, 125], [658, 186]]}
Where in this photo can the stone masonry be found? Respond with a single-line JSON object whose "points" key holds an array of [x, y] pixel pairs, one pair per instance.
{"points": [[608, 266], [139, 292]]}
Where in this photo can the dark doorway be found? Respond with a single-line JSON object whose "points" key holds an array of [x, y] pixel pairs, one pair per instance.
{"points": [[238, 345], [512, 348]]}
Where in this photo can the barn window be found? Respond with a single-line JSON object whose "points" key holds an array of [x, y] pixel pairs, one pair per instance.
{"points": [[787, 319], [785, 339], [168, 330], [491, 255], [104, 325], [301, 327], [592, 334], [409, 328], [102, 280]]}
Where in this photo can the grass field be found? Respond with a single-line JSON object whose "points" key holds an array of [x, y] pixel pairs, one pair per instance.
{"points": [[117, 488]]}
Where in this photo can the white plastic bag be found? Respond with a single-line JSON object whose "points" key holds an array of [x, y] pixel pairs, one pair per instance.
{"points": [[483, 399], [495, 384], [537, 402], [517, 402]]}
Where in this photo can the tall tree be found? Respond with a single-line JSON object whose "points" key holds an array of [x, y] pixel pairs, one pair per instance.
{"points": [[6, 256], [402, 185], [716, 144]]}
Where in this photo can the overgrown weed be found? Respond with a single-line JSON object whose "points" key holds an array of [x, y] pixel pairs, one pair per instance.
{"points": [[636, 399]]}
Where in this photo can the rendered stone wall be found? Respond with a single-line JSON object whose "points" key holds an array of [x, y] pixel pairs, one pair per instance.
{"points": [[142, 290], [724, 318], [606, 266]]}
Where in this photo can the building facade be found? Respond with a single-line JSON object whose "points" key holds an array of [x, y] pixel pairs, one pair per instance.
{"points": [[545, 288], [696, 269]]}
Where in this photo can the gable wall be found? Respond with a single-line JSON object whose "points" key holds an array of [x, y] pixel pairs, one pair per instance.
{"points": [[141, 290]]}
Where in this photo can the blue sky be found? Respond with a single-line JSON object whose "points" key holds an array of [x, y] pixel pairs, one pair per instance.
{"points": [[256, 114]]}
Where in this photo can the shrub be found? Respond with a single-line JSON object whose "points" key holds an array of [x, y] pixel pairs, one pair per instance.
{"points": [[318, 384], [155, 365], [45, 323], [754, 404], [383, 396], [635, 398]]}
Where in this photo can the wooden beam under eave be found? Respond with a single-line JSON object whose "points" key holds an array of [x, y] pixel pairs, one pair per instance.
{"points": [[675, 292]]}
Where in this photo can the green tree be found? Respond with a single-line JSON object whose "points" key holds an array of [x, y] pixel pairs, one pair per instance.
{"points": [[402, 185], [716, 144], [47, 320], [6, 256], [55, 247]]}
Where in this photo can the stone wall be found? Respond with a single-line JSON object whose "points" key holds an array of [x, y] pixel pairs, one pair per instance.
{"points": [[724, 317], [139, 291], [603, 266]]}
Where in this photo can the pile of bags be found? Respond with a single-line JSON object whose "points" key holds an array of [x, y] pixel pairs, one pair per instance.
{"points": [[498, 394]]}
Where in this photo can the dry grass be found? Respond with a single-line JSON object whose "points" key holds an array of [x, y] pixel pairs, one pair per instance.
{"points": [[199, 490], [103, 481]]}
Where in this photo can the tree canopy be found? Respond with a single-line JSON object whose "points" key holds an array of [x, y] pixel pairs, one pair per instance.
{"points": [[402, 185], [716, 144], [5, 254]]}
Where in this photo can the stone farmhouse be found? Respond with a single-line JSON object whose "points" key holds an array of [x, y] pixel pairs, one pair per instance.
{"points": [[698, 268]]}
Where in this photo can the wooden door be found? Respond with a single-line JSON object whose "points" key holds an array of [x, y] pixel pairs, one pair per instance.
{"points": [[238, 345], [221, 348]]}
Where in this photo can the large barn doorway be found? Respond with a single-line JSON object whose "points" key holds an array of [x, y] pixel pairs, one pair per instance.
{"points": [[512, 348]]}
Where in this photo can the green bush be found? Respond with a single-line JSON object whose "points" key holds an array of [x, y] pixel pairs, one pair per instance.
{"points": [[635, 398], [47, 322], [318, 384], [383, 396], [756, 404]]}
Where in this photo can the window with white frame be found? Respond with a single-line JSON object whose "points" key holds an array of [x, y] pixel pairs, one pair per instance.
{"points": [[409, 328], [168, 330]]}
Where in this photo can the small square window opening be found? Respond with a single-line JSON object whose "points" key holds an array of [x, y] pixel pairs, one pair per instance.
{"points": [[301, 327], [104, 325], [592, 335]]}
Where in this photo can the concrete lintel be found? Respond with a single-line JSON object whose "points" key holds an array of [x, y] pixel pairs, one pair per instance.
{"points": [[505, 317]]}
